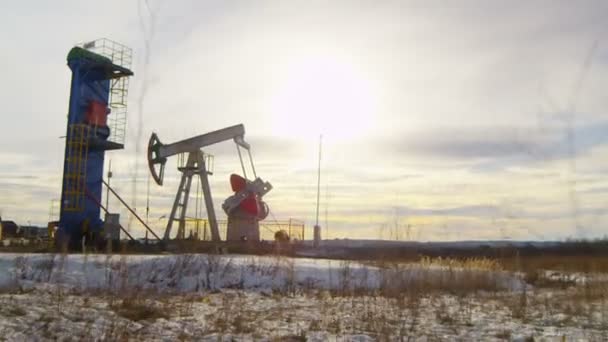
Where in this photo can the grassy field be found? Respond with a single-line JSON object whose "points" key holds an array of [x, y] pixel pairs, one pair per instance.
{"points": [[224, 297]]}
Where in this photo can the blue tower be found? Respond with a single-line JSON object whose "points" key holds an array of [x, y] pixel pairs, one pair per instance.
{"points": [[96, 123]]}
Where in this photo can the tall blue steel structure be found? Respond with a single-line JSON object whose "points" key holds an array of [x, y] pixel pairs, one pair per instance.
{"points": [[95, 124]]}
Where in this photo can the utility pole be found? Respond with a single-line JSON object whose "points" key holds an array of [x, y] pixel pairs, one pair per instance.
{"points": [[317, 229]]}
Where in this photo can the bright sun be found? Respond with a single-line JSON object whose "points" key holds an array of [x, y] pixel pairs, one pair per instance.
{"points": [[323, 96]]}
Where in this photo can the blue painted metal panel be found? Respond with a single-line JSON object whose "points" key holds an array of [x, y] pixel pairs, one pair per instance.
{"points": [[90, 82]]}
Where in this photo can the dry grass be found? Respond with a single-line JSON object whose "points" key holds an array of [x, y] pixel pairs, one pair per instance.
{"points": [[473, 263], [564, 263], [431, 275], [15, 311], [138, 309], [411, 290]]}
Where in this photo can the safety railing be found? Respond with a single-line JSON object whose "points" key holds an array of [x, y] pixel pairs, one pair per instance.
{"points": [[198, 229], [120, 55]]}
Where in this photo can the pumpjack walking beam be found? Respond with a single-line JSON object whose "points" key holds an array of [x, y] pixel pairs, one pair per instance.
{"points": [[157, 158]]}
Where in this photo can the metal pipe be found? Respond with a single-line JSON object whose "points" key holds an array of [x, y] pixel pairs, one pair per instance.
{"points": [[252, 166], [241, 159], [130, 210], [106, 211], [319, 179]]}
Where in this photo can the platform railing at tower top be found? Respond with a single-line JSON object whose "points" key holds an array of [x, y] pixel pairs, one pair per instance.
{"points": [[198, 229], [120, 55]]}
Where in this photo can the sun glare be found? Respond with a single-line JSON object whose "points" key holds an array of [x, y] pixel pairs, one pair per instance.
{"points": [[323, 96]]}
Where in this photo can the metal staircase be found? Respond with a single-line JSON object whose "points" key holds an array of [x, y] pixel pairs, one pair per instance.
{"points": [[76, 167]]}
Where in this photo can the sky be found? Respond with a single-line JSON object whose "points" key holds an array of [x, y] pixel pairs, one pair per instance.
{"points": [[441, 120]]}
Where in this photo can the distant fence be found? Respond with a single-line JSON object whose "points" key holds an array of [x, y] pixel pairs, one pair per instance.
{"points": [[198, 229]]}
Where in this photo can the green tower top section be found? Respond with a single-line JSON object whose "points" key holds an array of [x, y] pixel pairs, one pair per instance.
{"points": [[111, 69], [78, 52]]}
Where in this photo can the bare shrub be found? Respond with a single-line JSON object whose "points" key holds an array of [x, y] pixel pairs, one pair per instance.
{"points": [[115, 330], [285, 268], [345, 278], [443, 314], [519, 305], [138, 309], [214, 269], [20, 269], [414, 306], [181, 267], [503, 334], [121, 270], [15, 310], [43, 269], [223, 317]]}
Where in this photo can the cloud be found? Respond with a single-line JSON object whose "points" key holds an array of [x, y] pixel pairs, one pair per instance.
{"points": [[463, 211], [596, 190], [470, 107], [489, 148]]}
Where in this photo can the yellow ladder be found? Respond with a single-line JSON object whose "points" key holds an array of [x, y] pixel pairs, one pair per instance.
{"points": [[76, 167]]}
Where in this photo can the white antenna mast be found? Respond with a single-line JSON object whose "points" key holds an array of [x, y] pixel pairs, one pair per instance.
{"points": [[317, 229]]}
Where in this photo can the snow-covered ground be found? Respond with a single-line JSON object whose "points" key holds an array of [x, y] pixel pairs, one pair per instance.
{"points": [[213, 297], [196, 272]]}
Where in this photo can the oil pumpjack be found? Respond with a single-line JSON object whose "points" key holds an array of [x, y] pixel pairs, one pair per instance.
{"points": [[245, 209]]}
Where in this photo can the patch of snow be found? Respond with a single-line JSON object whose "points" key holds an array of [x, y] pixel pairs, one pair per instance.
{"points": [[196, 272]]}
